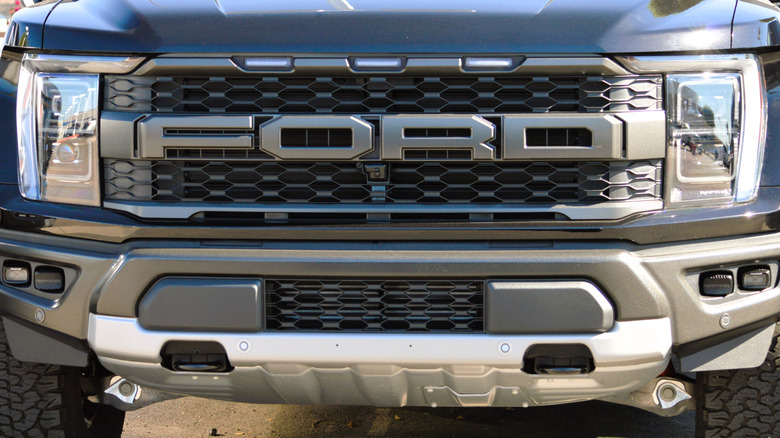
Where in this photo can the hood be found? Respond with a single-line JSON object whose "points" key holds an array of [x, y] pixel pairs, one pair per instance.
{"points": [[756, 24], [390, 26]]}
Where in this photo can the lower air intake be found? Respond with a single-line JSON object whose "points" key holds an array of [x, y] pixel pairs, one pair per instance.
{"points": [[445, 306]]}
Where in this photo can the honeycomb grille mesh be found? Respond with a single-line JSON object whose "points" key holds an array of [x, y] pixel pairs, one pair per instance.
{"points": [[420, 183], [363, 305], [383, 95]]}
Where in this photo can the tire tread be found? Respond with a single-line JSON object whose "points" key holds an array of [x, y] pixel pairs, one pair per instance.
{"points": [[35, 399], [737, 403]]}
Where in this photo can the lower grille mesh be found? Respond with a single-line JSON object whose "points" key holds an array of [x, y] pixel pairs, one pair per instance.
{"points": [[418, 183], [374, 305]]}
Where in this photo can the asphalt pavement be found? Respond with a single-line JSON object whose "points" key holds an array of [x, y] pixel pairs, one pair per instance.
{"points": [[195, 417]]}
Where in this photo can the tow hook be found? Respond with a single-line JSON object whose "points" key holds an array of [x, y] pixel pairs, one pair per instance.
{"points": [[663, 396], [128, 396], [668, 393], [125, 391]]}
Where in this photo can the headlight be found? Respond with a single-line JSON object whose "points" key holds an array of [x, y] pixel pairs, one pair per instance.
{"points": [[57, 131], [704, 117], [715, 108], [57, 126]]}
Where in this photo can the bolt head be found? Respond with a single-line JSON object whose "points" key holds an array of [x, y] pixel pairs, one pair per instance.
{"points": [[668, 393], [126, 388]]}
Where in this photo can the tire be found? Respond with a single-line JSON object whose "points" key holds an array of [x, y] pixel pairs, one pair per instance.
{"points": [[38, 400], [741, 403]]}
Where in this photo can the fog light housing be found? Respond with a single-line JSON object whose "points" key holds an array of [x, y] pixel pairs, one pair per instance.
{"points": [[16, 273], [716, 284], [49, 279], [755, 278]]}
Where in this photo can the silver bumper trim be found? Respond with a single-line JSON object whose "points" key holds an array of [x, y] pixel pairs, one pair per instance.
{"points": [[628, 343], [181, 210], [387, 370]]}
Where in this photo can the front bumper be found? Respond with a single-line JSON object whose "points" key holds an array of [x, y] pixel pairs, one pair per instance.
{"points": [[658, 312]]}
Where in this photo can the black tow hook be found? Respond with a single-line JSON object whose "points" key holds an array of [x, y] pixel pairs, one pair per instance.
{"points": [[195, 356], [558, 359]]}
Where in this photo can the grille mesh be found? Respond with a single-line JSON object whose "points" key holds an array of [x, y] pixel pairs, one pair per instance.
{"points": [[428, 182], [374, 305], [380, 95]]}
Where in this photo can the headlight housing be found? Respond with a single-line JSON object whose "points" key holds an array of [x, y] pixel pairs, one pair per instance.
{"points": [[716, 121], [704, 124], [57, 126], [58, 137]]}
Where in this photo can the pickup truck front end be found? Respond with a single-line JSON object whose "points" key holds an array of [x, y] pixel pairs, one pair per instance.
{"points": [[497, 222]]}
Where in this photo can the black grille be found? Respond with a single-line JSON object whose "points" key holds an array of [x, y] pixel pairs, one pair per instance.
{"points": [[346, 182], [374, 305], [381, 95]]}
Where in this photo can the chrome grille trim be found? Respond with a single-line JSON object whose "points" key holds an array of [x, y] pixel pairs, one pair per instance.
{"points": [[383, 213], [307, 64]]}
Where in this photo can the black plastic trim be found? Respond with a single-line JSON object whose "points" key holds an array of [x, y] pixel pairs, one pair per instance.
{"points": [[37, 344], [203, 304]]}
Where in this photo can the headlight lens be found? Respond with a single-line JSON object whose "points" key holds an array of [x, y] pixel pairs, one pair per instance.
{"points": [[57, 131], [704, 126]]}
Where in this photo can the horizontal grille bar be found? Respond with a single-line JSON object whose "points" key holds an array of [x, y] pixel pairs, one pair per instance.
{"points": [[443, 182], [383, 95], [370, 305]]}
